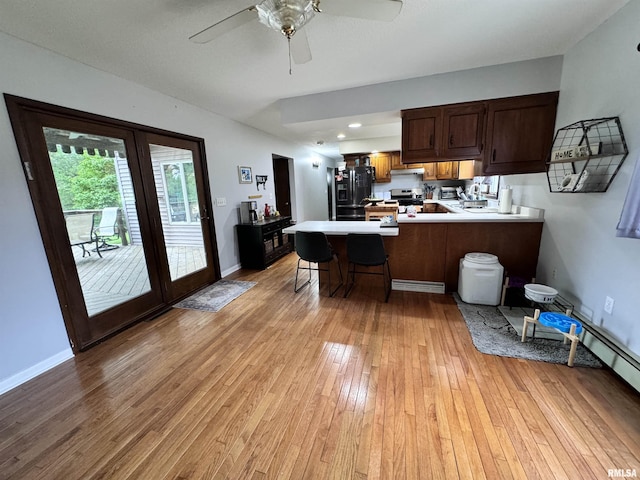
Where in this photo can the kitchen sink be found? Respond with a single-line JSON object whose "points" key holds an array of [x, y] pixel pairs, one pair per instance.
{"points": [[435, 208]]}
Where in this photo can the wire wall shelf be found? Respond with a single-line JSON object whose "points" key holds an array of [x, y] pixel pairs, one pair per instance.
{"points": [[586, 156]]}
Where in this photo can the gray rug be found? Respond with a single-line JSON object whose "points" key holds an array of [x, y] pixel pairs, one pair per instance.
{"points": [[492, 333], [216, 296]]}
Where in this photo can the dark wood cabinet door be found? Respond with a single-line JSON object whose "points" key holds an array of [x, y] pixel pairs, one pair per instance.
{"points": [[519, 133], [463, 130], [421, 134]]}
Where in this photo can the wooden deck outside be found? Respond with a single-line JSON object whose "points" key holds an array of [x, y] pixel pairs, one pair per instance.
{"points": [[121, 273]]}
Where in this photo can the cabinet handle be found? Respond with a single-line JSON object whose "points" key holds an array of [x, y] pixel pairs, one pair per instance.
{"points": [[431, 140], [451, 141], [493, 156]]}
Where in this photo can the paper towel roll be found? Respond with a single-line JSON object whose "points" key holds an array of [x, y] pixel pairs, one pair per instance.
{"points": [[504, 201]]}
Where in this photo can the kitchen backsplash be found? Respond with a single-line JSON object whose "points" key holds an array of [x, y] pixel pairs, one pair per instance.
{"points": [[414, 181]]}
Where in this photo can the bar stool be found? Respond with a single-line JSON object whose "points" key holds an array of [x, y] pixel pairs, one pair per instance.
{"points": [[313, 247], [367, 250]]}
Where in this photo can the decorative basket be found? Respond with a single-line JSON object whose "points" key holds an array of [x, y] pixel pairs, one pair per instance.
{"points": [[540, 293]]}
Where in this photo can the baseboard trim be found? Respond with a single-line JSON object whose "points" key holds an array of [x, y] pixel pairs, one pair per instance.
{"points": [[417, 286], [230, 270], [37, 369], [624, 363]]}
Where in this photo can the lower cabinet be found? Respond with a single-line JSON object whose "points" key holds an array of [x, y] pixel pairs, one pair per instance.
{"points": [[263, 243], [432, 251]]}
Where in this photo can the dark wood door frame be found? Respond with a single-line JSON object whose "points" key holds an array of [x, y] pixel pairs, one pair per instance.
{"points": [[26, 119], [282, 184]]}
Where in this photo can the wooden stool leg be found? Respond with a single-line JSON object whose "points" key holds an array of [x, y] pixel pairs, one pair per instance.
{"points": [[574, 345], [504, 291], [525, 328]]}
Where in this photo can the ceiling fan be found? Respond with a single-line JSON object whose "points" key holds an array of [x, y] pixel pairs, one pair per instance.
{"points": [[289, 16]]}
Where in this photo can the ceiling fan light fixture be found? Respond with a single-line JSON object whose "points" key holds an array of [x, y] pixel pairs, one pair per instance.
{"points": [[285, 16]]}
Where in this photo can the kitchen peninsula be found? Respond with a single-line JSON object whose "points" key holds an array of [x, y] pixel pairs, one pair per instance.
{"points": [[429, 246]]}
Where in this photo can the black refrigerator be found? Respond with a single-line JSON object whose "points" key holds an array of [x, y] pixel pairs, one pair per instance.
{"points": [[353, 186]]}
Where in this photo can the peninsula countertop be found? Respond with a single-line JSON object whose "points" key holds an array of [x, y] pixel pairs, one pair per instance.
{"points": [[474, 215], [342, 228]]}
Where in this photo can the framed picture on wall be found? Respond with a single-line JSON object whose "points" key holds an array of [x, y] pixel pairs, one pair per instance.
{"points": [[244, 175]]}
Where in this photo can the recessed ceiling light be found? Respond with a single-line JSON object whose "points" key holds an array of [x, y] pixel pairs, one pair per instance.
{"points": [[374, 152], [341, 136], [355, 125]]}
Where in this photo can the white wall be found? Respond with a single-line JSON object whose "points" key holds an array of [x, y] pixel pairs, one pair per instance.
{"points": [[506, 80], [599, 79], [32, 333]]}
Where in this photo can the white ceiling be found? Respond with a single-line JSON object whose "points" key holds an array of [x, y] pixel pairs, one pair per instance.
{"points": [[243, 74]]}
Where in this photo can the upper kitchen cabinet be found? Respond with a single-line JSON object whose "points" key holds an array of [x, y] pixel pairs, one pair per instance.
{"points": [[519, 134], [443, 133], [382, 163], [421, 134], [463, 130], [446, 170], [430, 171]]}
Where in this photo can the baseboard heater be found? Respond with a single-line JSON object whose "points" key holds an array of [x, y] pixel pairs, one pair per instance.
{"points": [[417, 286], [623, 362]]}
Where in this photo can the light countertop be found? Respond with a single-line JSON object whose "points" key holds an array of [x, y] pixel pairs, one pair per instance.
{"points": [[460, 215], [342, 228]]}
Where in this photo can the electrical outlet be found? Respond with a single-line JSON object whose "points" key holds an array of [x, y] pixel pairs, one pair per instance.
{"points": [[608, 305], [221, 202], [554, 273]]}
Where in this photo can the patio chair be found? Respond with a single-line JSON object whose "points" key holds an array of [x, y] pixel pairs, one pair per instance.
{"points": [[80, 231], [107, 228]]}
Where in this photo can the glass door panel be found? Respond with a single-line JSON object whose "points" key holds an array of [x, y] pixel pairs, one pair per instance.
{"points": [[123, 214], [177, 193], [98, 202]]}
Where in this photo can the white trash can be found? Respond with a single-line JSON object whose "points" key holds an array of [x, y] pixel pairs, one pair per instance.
{"points": [[480, 279]]}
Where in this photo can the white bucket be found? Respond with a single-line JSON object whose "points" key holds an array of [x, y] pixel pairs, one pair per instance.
{"points": [[480, 279]]}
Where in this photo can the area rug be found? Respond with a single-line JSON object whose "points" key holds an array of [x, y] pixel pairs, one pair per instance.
{"points": [[216, 296], [492, 333]]}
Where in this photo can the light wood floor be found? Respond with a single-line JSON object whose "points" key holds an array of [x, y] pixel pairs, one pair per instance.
{"points": [[302, 386]]}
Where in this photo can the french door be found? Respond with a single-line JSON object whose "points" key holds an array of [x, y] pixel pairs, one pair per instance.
{"points": [[124, 214]]}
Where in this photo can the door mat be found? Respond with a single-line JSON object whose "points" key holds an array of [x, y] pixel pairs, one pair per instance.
{"points": [[493, 334], [216, 296]]}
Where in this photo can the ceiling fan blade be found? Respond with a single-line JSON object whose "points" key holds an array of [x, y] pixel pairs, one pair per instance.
{"points": [[225, 25], [300, 50], [382, 10]]}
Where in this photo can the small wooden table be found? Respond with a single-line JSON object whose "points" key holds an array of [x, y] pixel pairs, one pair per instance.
{"points": [[569, 336], [381, 210]]}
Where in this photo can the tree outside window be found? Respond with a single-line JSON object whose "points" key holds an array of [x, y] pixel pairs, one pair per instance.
{"points": [[181, 192]]}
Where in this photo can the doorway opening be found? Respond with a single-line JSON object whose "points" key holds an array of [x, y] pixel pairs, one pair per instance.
{"points": [[281, 183]]}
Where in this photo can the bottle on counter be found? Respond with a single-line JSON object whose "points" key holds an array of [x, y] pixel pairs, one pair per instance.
{"points": [[266, 210], [505, 200]]}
